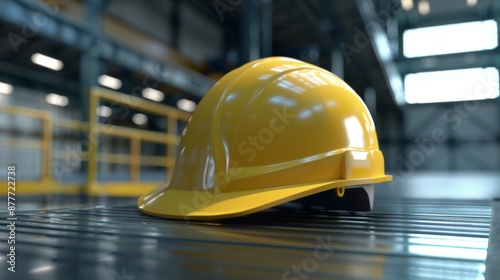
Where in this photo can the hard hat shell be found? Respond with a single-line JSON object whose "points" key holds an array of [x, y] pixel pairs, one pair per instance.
{"points": [[271, 131]]}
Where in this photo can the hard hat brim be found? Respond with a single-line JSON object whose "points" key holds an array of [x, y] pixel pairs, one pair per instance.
{"points": [[205, 205]]}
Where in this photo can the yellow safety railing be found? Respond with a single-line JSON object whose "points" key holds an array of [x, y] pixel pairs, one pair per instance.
{"points": [[46, 183], [170, 138]]}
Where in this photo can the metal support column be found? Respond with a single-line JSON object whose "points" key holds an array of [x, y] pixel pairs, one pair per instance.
{"points": [[46, 149], [175, 22], [402, 141], [267, 28], [393, 34], [496, 15], [337, 63], [250, 32], [90, 69], [452, 149], [371, 102]]}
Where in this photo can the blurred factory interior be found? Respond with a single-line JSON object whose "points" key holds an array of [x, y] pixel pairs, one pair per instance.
{"points": [[95, 94]]}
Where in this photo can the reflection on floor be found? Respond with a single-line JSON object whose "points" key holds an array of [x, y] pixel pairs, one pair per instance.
{"points": [[109, 239]]}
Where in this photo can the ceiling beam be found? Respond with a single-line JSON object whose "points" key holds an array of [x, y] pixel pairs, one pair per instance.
{"points": [[59, 27], [382, 49], [489, 58], [418, 21]]}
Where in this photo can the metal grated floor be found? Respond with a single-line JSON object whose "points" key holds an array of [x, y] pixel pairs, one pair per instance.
{"points": [[405, 239]]}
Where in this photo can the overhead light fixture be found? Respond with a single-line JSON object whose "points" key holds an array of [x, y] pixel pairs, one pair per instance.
{"points": [[47, 61], [186, 105], [6, 88], [109, 81], [407, 4], [56, 99], [471, 3], [40, 269], [153, 94], [140, 119], [451, 38], [423, 7], [103, 111], [452, 85]]}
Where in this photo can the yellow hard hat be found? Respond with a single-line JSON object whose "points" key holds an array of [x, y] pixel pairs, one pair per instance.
{"points": [[271, 131]]}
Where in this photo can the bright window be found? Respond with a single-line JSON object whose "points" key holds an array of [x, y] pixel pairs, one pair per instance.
{"points": [[452, 85], [452, 38]]}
